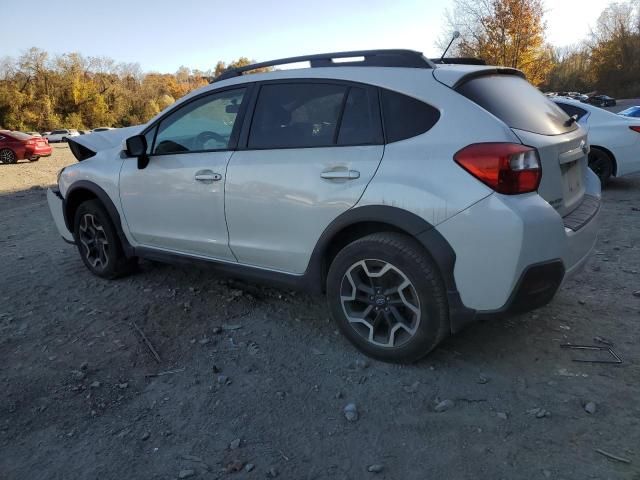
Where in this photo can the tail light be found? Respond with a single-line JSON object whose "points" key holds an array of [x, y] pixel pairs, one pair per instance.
{"points": [[508, 168], [635, 129]]}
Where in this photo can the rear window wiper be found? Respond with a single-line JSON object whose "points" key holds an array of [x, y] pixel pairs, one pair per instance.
{"points": [[572, 119]]}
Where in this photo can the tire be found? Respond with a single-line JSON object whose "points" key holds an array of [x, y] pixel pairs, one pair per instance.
{"points": [[8, 156], [35, 159], [98, 242], [384, 262], [602, 165]]}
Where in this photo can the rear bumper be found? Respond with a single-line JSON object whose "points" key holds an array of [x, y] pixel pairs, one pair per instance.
{"points": [[56, 206], [514, 252]]}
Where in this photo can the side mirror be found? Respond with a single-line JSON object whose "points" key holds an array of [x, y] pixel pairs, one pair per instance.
{"points": [[137, 147]]}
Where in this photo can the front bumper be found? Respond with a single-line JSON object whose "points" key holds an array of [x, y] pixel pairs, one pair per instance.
{"points": [[56, 206]]}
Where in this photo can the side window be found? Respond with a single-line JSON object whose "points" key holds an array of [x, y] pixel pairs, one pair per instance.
{"points": [[572, 110], [406, 117], [296, 115], [360, 123], [150, 135], [202, 125]]}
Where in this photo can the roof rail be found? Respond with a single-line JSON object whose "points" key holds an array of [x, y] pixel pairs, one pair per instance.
{"points": [[459, 61], [370, 58]]}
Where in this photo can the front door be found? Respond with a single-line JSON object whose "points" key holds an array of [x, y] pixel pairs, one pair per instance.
{"points": [[176, 203]]}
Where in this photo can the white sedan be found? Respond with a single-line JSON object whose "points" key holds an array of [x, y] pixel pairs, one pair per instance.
{"points": [[614, 139], [61, 135]]}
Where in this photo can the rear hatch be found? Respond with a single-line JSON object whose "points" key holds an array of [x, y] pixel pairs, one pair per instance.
{"points": [[538, 123]]}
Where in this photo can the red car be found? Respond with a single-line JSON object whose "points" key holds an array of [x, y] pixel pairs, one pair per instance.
{"points": [[16, 146]]}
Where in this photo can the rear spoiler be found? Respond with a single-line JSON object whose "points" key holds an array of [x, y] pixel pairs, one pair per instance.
{"points": [[87, 146]]}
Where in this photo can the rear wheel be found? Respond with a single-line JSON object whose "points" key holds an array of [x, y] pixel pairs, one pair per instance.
{"points": [[98, 242], [387, 297], [602, 164], [8, 156]]}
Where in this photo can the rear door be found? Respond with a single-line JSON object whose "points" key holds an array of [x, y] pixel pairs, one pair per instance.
{"points": [[306, 157], [540, 123]]}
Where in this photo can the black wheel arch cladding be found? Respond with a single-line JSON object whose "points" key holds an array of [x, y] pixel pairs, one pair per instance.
{"points": [[411, 224], [70, 205]]}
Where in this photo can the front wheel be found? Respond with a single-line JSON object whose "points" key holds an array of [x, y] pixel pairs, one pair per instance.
{"points": [[602, 165], [387, 297], [98, 242], [8, 156]]}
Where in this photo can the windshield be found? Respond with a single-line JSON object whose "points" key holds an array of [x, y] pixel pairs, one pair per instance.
{"points": [[517, 103]]}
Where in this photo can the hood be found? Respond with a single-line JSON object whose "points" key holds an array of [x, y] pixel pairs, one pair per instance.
{"points": [[86, 146]]}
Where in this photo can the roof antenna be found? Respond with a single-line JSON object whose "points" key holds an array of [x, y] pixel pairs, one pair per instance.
{"points": [[456, 34]]}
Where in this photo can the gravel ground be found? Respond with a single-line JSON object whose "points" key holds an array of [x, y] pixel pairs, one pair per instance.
{"points": [[252, 382]]}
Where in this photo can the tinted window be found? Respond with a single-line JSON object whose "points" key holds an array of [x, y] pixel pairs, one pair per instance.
{"points": [[360, 124], [406, 117], [572, 110], [517, 103], [201, 125], [296, 115], [58, 132]]}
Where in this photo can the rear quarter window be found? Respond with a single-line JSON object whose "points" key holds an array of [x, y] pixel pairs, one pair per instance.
{"points": [[517, 103], [405, 117]]}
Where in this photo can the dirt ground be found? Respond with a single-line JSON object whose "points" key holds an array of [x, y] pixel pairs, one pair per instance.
{"points": [[83, 397]]}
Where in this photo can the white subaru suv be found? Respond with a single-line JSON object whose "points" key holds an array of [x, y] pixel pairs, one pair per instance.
{"points": [[416, 195]]}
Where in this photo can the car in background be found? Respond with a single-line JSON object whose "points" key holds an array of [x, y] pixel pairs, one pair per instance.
{"points": [[601, 101], [101, 129], [16, 146], [633, 112], [614, 139], [61, 135]]}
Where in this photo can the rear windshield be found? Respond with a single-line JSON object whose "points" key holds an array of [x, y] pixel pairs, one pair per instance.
{"points": [[517, 103]]}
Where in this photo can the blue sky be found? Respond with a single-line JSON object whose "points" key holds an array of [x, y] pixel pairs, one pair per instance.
{"points": [[162, 35]]}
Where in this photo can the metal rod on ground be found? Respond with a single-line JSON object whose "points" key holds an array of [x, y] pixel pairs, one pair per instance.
{"points": [[168, 372], [612, 456], [148, 342]]}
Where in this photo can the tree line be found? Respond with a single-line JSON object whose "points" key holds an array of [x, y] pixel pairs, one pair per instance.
{"points": [[512, 33], [43, 92]]}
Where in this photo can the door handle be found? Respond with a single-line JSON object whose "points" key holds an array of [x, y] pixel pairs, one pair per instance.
{"points": [[340, 174], [207, 176]]}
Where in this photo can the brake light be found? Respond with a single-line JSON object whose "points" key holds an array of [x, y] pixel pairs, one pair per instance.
{"points": [[635, 129], [508, 168]]}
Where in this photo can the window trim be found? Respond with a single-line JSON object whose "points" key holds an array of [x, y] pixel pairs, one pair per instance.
{"points": [[233, 139], [243, 143]]}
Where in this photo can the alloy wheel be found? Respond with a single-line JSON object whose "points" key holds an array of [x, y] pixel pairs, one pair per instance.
{"points": [[380, 303], [94, 241], [7, 156]]}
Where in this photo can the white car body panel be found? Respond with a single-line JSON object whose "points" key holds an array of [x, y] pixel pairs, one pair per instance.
{"points": [[280, 194], [165, 207], [612, 132]]}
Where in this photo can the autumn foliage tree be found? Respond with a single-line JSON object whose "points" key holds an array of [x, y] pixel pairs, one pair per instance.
{"points": [[41, 92], [509, 33]]}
